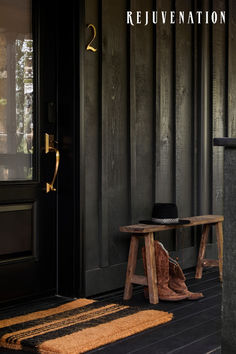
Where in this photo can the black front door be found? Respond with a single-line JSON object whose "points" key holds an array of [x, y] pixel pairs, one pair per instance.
{"points": [[28, 112]]}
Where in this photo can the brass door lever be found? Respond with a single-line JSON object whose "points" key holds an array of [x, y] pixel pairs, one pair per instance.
{"points": [[49, 147]]}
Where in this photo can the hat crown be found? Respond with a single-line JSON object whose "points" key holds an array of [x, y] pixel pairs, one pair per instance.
{"points": [[165, 211]]}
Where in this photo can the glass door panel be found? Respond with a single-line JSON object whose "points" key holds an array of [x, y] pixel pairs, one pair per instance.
{"points": [[16, 91]]}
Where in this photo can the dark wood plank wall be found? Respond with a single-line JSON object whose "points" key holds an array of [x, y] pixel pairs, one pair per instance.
{"points": [[164, 168], [231, 38], [92, 137], [184, 120], [219, 106], [155, 96], [114, 199], [141, 116]]}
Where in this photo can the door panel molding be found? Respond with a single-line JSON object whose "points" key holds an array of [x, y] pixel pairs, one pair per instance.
{"points": [[28, 262]]}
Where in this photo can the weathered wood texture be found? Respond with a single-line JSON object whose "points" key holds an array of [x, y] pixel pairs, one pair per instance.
{"points": [[219, 236], [202, 251], [155, 96], [204, 262], [92, 127], [113, 202], [194, 221], [219, 94], [184, 95], [141, 85], [204, 117], [131, 267], [164, 149], [151, 278], [151, 269], [231, 72]]}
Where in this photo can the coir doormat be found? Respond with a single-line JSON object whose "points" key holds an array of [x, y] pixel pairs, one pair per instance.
{"points": [[77, 326]]}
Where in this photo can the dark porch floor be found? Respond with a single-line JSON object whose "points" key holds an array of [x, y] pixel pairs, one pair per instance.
{"points": [[195, 328]]}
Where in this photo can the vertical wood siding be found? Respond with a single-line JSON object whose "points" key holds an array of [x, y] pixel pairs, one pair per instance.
{"points": [[164, 98], [184, 121], [219, 106], [155, 97], [231, 38]]}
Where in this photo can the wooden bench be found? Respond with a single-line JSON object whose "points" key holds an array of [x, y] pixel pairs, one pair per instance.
{"points": [[147, 231]]}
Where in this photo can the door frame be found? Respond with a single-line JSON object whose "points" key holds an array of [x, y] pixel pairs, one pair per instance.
{"points": [[71, 178]]}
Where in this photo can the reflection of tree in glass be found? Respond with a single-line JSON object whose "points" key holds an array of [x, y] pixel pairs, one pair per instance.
{"points": [[3, 97], [24, 95]]}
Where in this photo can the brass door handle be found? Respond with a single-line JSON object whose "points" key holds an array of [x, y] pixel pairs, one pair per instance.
{"points": [[49, 147]]}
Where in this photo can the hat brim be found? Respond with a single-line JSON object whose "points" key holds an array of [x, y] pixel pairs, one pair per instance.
{"points": [[151, 222]]}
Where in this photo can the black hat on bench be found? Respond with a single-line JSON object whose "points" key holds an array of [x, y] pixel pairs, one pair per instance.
{"points": [[165, 214]]}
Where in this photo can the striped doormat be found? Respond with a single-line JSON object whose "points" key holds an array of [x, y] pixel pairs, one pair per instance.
{"points": [[77, 326]]}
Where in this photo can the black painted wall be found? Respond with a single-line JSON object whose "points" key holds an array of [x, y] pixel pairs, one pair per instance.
{"points": [[153, 99]]}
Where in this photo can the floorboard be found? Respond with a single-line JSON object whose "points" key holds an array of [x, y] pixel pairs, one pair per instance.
{"points": [[194, 329], [209, 343]]}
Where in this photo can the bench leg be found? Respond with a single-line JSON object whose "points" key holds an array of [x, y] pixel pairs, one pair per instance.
{"points": [[151, 269], [132, 260], [202, 250], [219, 235]]}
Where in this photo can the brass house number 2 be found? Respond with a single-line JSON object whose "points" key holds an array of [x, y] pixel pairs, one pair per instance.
{"points": [[89, 46]]}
